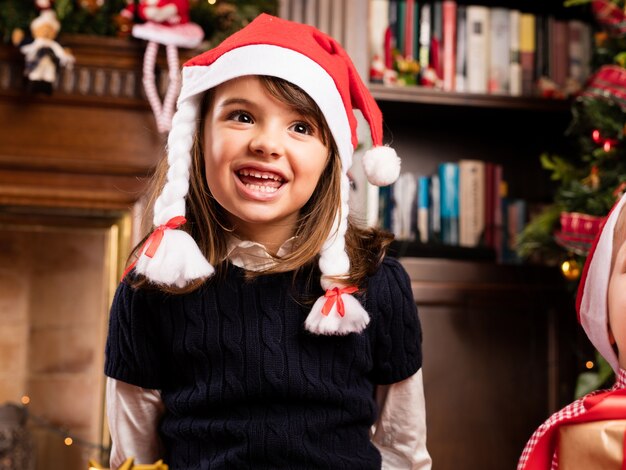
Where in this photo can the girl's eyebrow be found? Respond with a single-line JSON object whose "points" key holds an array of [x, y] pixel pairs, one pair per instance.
{"points": [[237, 101]]}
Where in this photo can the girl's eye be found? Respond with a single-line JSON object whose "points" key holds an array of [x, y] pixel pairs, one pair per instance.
{"points": [[302, 128], [241, 116]]}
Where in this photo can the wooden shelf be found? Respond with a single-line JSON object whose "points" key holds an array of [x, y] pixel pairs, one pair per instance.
{"points": [[414, 249], [422, 95]]}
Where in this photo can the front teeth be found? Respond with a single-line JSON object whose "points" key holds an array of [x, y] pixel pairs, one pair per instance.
{"points": [[265, 176], [263, 189]]}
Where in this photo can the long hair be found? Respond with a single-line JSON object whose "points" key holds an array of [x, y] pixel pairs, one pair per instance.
{"points": [[208, 223]]}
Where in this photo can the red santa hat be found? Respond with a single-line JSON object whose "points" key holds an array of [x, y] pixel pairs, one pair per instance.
{"points": [[592, 302], [315, 62]]}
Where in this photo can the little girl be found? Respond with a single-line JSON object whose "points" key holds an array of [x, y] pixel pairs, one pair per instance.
{"points": [[589, 433], [258, 326]]}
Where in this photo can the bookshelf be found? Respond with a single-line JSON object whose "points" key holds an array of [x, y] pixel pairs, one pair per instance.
{"points": [[501, 342], [429, 96]]}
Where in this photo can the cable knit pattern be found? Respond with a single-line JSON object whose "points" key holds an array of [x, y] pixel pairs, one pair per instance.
{"points": [[246, 386]]}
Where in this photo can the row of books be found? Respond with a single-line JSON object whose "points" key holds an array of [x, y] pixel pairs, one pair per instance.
{"points": [[464, 204], [480, 49]]}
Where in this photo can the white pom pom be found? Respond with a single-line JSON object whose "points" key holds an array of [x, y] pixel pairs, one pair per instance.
{"points": [[177, 261], [381, 165], [355, 318]]}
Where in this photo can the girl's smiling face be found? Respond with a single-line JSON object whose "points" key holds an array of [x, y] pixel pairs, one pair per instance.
{"points": [[263, 159]]}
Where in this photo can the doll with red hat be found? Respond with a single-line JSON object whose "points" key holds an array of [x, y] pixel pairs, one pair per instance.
{"points": [[258, 325], [163, 22], [590, 432]]}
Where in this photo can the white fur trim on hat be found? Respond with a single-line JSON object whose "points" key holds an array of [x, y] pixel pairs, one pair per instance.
{"points": [[593, 305], [381, 165]]}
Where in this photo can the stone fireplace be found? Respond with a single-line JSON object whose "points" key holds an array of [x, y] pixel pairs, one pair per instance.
{"points": [[72, 170]]}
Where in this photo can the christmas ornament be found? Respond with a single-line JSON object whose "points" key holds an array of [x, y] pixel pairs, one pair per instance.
{"points": [[571, 269], [610, 16], [593, 180], [43, 55], [167, 23], [606, 143], [577, 232], [608, 83]]}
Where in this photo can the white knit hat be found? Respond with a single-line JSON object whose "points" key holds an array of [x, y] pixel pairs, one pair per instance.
{"points": [[592, 298], [315, 62]]}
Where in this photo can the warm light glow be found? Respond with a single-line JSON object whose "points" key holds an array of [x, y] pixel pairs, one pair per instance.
{"points": [[589, 364], [25, 400], [212, 2], [595, 135], [607, 146], [68, 441]]}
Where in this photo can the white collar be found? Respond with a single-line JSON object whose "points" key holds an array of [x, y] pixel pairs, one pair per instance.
{"points": [[253, 256]]}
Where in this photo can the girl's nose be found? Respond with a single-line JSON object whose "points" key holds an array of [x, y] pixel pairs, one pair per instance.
{"points": [[267, 142]]}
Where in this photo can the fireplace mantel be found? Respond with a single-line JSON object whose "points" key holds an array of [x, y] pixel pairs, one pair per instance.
{"points": [[91, 144]]}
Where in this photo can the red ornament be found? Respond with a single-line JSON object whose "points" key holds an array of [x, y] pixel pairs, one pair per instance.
{"points": [[606, 143], [610, 16]]}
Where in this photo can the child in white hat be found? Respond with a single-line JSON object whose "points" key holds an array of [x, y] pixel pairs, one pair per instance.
{"points": [[258, 323], [589, 433]]}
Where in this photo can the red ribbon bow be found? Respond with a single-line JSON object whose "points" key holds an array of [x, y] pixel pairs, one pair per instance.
{"points": [[334, 295], [151, 245]]}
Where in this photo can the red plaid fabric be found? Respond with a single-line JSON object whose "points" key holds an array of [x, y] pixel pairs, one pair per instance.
{"points": [[570, 411]]}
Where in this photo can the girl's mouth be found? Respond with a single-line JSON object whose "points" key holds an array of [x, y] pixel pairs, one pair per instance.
{"points": [[261, 181]]}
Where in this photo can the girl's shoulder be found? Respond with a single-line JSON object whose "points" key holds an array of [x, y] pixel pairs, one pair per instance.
{"points": [[390, 270]]}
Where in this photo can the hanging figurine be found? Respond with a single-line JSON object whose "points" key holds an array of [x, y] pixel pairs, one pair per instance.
{"points": [[43, 55], [166, 22]]}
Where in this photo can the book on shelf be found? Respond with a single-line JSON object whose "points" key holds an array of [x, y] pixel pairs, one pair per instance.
{"points": [[449, 200], [436, 40], [449, 44], [499, 51], [477, 48], [404, 206], [460, 77], [434, 220], [423, 205], [424, 38], [515, 67], [471, 202], [559, 51], [527, 52]]}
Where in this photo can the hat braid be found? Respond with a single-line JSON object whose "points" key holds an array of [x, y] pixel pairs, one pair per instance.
{"points": [[178, 260], [337, 312], [171, 201], [334, 260]]}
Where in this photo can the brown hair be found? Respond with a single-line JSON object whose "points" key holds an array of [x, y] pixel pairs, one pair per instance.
{"points": [[208, 224]]}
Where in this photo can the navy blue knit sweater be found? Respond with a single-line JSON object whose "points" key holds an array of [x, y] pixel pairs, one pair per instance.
{"points": [[246, 386]]}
